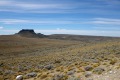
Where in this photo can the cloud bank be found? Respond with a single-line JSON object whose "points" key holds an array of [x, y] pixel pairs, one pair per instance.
{"points": [[99, 21], [68, 6]]}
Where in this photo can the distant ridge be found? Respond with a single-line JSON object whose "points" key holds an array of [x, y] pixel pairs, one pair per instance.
{"points": [[30, 33], [84, 38]]}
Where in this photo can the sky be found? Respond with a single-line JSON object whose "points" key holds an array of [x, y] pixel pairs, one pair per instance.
{"points": [[80, 17]]}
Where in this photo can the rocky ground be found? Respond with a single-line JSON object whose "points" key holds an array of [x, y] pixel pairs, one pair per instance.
{"points": [[51, 59]]}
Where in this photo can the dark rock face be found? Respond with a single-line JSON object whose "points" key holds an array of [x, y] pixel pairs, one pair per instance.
{"points": [[23, 31], [41, 35], [30, 33]]}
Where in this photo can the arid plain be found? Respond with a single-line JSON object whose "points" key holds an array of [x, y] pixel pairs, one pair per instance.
{"points": [[59, 57]]}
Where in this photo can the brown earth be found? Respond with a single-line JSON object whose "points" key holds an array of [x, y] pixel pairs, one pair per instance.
{"points": [[84, 58]]}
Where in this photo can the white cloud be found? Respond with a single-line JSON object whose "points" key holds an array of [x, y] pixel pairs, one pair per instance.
{"points": [[105, 21], [26, 21], [5, 3], [13, 21], [1, 27], [93, 21], [113, 28], [59, 29], [7, 32], [32, 7], [52, 7]]}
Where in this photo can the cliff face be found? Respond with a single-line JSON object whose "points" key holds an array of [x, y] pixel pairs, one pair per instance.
{"points": [[24, 31], [30, 33]]}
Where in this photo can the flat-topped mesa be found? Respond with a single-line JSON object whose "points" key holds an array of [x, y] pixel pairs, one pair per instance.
{"points": [[23, 31], [30, 33]]}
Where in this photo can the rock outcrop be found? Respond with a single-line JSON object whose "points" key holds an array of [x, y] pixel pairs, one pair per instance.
{"points": [[30, 33]]}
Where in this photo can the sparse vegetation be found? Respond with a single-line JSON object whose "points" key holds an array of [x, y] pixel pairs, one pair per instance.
{"points": [[54, 59]]}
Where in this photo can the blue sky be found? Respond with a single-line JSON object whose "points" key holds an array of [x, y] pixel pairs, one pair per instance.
{"points": [[81, 17]]}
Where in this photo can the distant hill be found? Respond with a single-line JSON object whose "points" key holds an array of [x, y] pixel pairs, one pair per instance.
{"points": [[70, 56], [84, 38], [30, 33]]}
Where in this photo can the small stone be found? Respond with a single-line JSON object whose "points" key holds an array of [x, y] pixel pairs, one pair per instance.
{"points": [[32, 74], [110, 72], [88, 74], [74, 78], [49, 67], [40, 66], [70, 72], [7, 72], [98, 70], [58, 77], [1, 64], [19, 77], [57, 61], [88, 68]]}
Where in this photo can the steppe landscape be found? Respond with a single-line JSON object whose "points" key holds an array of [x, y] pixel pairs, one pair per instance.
{"points": [[59, 57], [59, 39]]}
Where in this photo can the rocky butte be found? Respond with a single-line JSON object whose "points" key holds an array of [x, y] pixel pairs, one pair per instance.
{"points": [[30, 33]]}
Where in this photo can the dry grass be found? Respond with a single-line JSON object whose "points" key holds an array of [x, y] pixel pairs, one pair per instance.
{"points": [[19, 55]]}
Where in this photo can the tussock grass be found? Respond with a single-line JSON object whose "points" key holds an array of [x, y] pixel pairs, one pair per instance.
{"points": [[25, 55]]}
